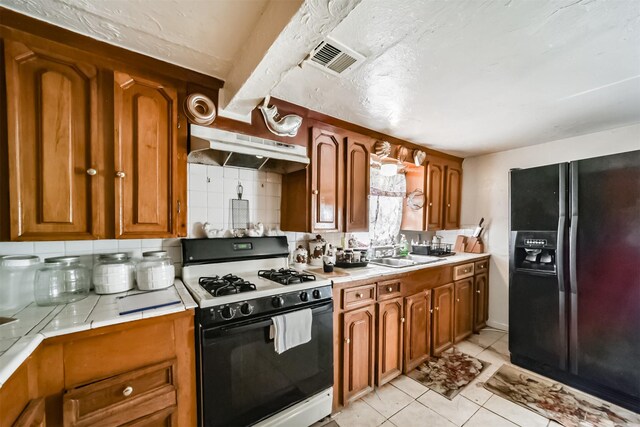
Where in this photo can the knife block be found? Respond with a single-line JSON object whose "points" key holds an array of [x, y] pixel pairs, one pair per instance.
{"points": [[474, 245]]}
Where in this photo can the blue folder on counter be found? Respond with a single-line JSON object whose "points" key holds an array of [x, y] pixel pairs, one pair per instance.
{"points": [[147, 301]]}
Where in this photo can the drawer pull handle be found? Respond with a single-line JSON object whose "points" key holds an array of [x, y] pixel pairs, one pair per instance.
{"points": [[478, 291], [348, 341], [358, 295], [127, 391], [389, 289]]}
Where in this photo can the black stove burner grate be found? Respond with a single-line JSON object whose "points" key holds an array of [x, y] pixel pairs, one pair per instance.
{"points": [[286, 276], [225, 285]]}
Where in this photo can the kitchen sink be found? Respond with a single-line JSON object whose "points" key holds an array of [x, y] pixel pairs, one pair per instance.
{"points": [[404, 261]]}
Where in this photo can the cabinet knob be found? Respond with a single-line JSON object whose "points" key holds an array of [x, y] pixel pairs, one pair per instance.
{"points": [[348, 341], [402, 320], [358, 295], [437, 308], [127, 391], [91, 171], [315, 191], [389, 289], [477, 291], [120, 174], [457, 299], [431, 311], [430, 204]]}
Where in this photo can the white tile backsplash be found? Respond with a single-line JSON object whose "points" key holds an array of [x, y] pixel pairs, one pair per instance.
{"points": [[261, 189]]}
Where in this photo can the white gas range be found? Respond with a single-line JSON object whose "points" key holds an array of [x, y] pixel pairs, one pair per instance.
{"points": [[239, 285]]}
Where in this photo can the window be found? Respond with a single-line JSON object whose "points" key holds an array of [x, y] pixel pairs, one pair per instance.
{"points": [[385, 212]]}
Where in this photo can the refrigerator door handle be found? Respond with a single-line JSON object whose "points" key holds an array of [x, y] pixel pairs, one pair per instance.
{"points": [[573, 279], [562, 223]]}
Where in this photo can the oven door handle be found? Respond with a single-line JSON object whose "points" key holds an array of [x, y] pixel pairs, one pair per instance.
{"points": [[266, 321]]}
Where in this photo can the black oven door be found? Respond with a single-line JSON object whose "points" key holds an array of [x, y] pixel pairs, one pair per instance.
{"points": [[244, 380]]}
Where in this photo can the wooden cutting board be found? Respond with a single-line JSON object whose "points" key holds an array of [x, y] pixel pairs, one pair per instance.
{"points": [[335, 273]]}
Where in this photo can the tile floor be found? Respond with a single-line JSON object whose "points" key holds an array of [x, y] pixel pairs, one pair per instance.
{"points": [[406, 403]]}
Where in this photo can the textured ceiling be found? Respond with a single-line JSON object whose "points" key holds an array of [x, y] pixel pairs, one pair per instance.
{"points": [[203, 35], [471, 77], [462, 76]]}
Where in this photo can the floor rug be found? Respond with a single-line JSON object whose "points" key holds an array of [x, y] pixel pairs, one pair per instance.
{"points": [[556, 401], [449, 373]]}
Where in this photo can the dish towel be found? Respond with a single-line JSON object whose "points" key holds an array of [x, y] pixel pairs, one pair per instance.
{"points": [[291, 329]]}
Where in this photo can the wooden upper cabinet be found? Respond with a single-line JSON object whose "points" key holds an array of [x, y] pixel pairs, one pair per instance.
{"points": [[435, 193], [413, 219], [326, 180], [54, 159], [443, 327], [146, 118], [453, 192], [358, 150], [417, 329], [390, 343], [358, 352], [463, 309]]}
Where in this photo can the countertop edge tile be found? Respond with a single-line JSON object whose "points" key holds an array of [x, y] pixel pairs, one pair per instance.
{"points": [[11, 360]]}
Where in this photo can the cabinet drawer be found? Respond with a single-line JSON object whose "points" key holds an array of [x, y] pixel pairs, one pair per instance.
{"points": [[123, 398], [462, 271], [481, 266], [389, 289], [359, 296]]}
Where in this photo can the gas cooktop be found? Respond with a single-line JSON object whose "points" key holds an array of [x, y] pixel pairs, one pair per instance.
{"points": [[286, 276]]}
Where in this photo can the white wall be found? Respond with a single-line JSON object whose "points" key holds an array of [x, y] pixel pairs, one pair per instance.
{"points": [[485, 194]]}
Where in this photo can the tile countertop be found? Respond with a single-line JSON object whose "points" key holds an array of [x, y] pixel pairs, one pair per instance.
{"points": [[374, 271], [19, 339]]}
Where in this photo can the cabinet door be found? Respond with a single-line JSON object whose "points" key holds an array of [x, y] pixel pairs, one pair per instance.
{"points": [[453, 193], [442, 318], [417, 329], [357, 184], [146, 156], [413, 219], [358, 364], [53, 153], [463, 309], [390, 320], [326, 180], [435, 191], [33, 415], [480, 301]]}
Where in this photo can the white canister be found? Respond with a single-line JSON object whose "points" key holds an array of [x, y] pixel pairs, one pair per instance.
{"points": [[113, 273], [17, 276], [316, 250], [155, 271]]}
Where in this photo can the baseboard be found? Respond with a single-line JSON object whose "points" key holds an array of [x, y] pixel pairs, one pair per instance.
{"points": [[498, 325]]}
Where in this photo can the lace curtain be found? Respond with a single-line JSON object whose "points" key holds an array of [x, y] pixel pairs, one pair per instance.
{"points": [[385, 207]]}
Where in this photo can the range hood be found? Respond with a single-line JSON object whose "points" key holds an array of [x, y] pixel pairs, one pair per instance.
{"points": [[211, 146]]}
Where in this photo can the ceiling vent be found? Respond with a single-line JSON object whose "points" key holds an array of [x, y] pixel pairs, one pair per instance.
{"points": [[334, 57]]}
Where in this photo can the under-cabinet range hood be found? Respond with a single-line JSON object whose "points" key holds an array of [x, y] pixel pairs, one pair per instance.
{"points": [[211, 146]]}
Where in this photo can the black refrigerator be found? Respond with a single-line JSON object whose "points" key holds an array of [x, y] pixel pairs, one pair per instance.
{"points": [[574, 274]]}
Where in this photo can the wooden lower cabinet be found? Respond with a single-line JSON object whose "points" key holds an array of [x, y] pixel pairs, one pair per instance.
{"points": [[463, 309], [390, 343], [359, 352], [33, 415], [125, 398], [417, 329], [138, 373], [480, 301], [443, 308]]}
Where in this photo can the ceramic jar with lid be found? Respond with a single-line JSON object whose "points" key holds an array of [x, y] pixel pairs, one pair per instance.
{"points": [[113, 273], [61, 280], [300, 258], [17, 275], [316, 250], [155, 271]]}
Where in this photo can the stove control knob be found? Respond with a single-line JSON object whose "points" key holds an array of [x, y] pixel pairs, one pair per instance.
{"points": [[277, 302], [304, 296], [227, 312], [246, 309], [316, 293]]}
